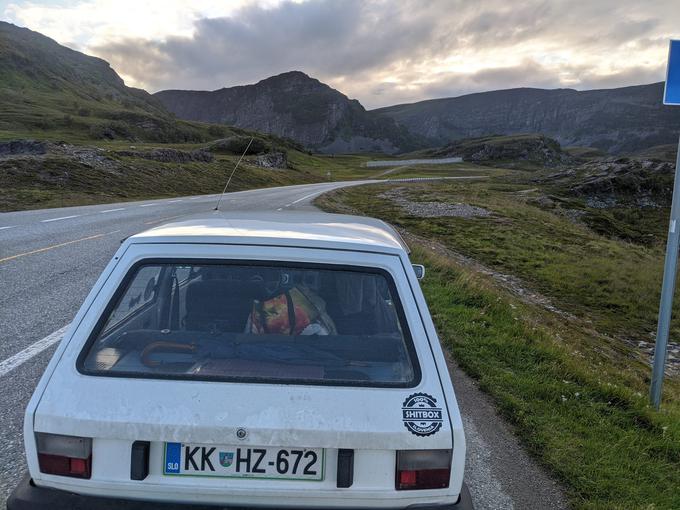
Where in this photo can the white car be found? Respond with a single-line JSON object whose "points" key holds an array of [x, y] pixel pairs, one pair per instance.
{"points": [[280, 360]]}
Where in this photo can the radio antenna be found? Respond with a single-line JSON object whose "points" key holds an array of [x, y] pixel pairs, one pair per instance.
{"points": [[217, 207]]}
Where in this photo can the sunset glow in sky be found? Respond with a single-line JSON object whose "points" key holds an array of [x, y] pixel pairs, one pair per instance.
{"points": [[379, 52]]}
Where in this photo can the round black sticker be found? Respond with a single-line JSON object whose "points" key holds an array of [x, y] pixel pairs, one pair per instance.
{"points": [[421, 414]]}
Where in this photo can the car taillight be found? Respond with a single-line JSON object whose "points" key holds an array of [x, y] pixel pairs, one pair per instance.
{"points": [[423, 469], [64, 455]]}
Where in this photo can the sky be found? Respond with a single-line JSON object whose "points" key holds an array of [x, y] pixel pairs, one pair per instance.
{"points": [[377, 51]]}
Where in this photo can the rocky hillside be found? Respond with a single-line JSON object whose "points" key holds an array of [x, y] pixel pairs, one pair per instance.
{"points": [[295, 106], [615, 120], [611, 182], [49, 89], [510, 151]]}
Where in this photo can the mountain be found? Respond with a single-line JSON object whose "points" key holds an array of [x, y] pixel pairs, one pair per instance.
{"points": [[615, 120], [47, 87], [49, 90], [295, 106]]}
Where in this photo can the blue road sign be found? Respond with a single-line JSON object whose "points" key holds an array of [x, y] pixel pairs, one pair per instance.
{"points": [[672, 91]]}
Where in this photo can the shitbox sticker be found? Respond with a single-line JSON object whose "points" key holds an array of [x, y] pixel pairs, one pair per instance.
{"points": [[421, 414]]}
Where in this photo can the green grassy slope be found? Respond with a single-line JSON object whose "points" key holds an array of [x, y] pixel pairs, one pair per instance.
{"points": [[48, 90]]}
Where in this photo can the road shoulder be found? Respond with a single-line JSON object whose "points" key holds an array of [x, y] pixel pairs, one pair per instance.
{"points": [[498, 471]]}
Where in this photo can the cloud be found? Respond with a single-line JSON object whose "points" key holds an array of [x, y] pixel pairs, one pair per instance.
{"points": [[326, 38], [445, 84], [377, 51], [628, 76]]}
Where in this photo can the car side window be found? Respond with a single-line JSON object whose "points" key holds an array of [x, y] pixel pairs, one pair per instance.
{"points": [[143, 290]]}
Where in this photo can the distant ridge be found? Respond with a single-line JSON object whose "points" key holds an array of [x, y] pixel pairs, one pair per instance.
{"points": [[615, 120]]}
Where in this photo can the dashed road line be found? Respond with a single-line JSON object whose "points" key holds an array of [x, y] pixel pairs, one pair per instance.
{"points": [[173, 201], [147, 205], [39, 250], [31, 351], [112, 210], [161, 219], [5, 228], [60, 218]]}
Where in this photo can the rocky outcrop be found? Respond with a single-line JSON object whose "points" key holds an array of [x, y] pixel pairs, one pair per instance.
{"points": [[97, 157], [38, 150], [607, 183], [171, 155], [22, 147], [272, 160], [295, 106], [509, 150]]}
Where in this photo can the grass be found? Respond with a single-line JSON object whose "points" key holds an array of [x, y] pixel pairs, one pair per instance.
{"points": [[601, 278], [577, 397], [341, 166], [586, 420]]}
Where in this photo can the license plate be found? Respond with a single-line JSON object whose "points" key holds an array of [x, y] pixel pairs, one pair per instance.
{"points": [[188, 459]]}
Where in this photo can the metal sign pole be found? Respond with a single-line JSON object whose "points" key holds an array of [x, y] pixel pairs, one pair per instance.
{"points": [[671, 96], [667, 291]]}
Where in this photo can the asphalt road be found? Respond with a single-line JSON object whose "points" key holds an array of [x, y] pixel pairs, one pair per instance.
{"points": [[49, 260]]}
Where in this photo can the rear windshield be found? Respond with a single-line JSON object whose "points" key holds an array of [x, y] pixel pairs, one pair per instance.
{"points": [[261, 323]]}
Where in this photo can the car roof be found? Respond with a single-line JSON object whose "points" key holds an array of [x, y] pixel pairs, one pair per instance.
{"points": [[306, 229]]}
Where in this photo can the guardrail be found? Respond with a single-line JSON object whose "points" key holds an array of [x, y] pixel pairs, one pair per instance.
{"points": [[419, 179]]}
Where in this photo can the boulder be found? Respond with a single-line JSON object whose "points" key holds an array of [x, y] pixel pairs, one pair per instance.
{"points": [[272, 160], [22, 147]]}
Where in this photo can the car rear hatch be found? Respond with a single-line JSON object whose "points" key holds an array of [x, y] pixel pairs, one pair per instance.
{"points": [[246, 440]]}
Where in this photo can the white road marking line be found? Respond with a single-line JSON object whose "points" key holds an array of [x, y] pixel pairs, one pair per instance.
{"points": [[147, 205], [62, 218], [112, 210], [5, 228], [173, 201], [31, 351], [306, 197], [195, 198], [280, 209]]}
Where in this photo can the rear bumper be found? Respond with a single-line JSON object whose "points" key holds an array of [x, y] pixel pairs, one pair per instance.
{"points": [[27, 496]]}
